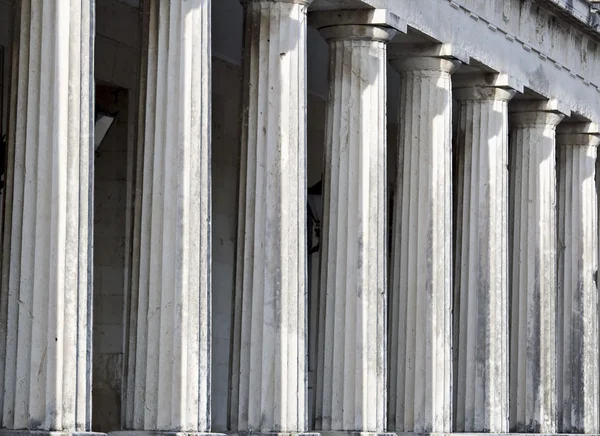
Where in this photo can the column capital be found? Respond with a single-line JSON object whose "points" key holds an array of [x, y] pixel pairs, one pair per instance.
{"points": [[425, 63], [477, 92], [577, 139], [485, 86], [578, 134], [529, 113], [361, 24], [444, 58]]}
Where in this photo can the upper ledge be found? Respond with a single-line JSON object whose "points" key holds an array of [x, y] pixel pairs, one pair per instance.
{"points": [[540, 48], [583, 11]]}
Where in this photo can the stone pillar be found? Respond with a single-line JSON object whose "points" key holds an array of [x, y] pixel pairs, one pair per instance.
{"points": [[168, 370], [46, 301], [481, 262], [421, 270], [532, 263], [269, 369], [577, 327], [351, 370]]}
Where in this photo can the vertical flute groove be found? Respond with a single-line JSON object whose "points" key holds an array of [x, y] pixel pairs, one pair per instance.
{"points": [[533, 272], [168, 378], [351, 356], [46, 299], [480, 278], [269, 334], [419, 395], [577, 336]]}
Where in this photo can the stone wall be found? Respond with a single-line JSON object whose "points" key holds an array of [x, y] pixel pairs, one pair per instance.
{"points": [[225, 169], [116, 73], [110, 183]]}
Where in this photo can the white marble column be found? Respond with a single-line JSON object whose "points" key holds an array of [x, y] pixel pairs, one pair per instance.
{"points": [[168, 370], [481, 261], [351, 370], [577, 327], [46, 301], [421, 270], [532, 264], [269, 368]]}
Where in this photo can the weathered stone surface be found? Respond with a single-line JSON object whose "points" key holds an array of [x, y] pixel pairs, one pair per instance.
{"points": [[351, 367], [268, 381], [532, 263], [543, 50], [168, 368], [577, 327], [421, 273], [481, 262], [45, 318]]}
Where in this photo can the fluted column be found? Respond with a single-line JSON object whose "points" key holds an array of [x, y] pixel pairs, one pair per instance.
{"points": [[532, 264], [351, 369], [46, 301], [421, 270], [481, 262], [168, 378], [269, 349], [577, 335]]}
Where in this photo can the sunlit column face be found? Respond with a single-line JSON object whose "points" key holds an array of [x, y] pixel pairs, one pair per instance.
{"points": [[533, 267], [351, 351], [420, 282], [45, 369], [480, 316], [268, 373], [577, 322], [168, 368]]}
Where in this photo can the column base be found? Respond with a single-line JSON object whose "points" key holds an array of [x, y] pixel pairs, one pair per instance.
{"points": [[274, 433], [355, 433], [161, 433], [492, 434], [7, 432]]}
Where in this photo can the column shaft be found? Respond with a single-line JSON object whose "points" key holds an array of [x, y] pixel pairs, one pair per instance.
{"points": [[532, 257], [352, 362], [577, 335], [481, 263], [420, 288], [269, 349], [45, 323], [168, 379]]}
